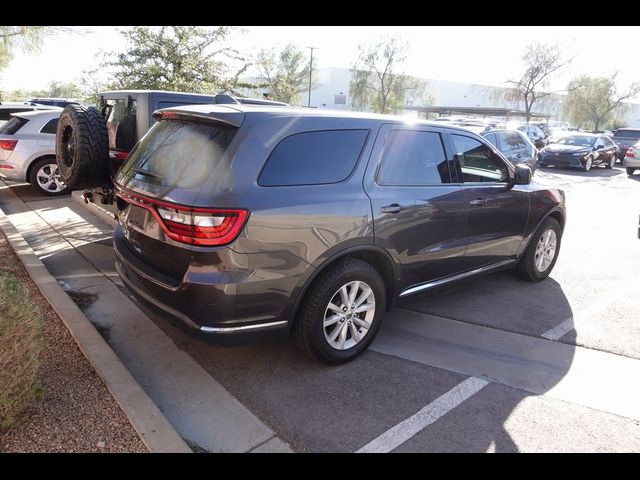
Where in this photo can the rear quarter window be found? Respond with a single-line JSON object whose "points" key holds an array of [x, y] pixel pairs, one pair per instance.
{"points": [[313, 158], [50, 126]]}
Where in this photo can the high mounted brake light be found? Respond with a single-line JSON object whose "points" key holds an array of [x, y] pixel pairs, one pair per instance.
{"points": [[194, 226]]}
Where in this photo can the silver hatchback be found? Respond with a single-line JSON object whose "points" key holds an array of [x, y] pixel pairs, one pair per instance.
{"points": [[28, 150]]}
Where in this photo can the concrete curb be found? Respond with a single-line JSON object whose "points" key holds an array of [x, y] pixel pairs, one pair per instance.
{"points": [[153, 428]]}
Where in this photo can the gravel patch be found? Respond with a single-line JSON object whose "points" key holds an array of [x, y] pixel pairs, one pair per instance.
{"points": [[77, 414]]}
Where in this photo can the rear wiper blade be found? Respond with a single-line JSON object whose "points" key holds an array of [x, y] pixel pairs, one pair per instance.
{"points": [[148, 174]]}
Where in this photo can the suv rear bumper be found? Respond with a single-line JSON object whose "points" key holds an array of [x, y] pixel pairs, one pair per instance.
{"points": [[219, 301]]}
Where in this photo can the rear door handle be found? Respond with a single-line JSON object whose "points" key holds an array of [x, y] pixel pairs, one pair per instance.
{"points": [[478, 202], [393, 208]]}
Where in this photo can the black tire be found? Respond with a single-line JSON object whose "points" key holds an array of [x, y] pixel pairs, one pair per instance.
{"points": [[309, 331], [51, 169], [82, 147], [611, 163], [630, 171], [526, 267]]}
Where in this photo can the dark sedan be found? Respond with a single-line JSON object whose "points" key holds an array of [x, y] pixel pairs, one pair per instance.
{"points": [[582, 150]]}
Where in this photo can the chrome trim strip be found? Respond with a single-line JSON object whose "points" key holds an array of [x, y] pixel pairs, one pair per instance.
{"points": [[459, 276], [242, 327]]}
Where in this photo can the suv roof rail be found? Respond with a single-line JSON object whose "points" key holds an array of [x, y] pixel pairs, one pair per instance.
{"points": [[228, 99]]}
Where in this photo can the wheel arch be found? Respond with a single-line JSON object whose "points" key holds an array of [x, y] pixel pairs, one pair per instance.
{"points": [[35, 160], [555, 213], [377, 257]]}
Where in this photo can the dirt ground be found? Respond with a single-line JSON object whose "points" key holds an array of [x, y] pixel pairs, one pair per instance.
{"points": [[77, 413]]}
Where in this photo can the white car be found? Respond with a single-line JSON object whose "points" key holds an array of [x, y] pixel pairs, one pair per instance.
{"points": [[28, 150]]}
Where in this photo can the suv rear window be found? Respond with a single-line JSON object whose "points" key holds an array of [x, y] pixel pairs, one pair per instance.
{"points": [[627, 134], [179, 154], [13, 125], [313, 158]]}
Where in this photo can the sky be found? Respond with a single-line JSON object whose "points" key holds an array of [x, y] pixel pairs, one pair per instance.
{"points": [[482, 55]]}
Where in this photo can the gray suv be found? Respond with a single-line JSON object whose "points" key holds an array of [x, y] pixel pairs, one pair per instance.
{"points": [[243, 218]]}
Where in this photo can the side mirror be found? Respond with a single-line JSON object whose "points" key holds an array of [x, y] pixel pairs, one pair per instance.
{"points": [[598, 147], [523, 174]]}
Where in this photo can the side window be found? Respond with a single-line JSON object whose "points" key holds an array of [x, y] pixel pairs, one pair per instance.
{"points": [[607, 142], [313, 158], [412, 157], [508, 142], [492, 139], [121, 124], [477, 162], [50, 126]]}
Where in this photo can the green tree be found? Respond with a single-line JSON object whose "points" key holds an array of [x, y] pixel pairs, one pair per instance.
{"points": [[540, 63], [595, 100], [25, 38], [91, 86], [63, 90], [180, 58], [376, 83], [285, 74]]}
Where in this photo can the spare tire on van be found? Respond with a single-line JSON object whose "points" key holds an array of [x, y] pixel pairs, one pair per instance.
{"points": [[82, 147]]}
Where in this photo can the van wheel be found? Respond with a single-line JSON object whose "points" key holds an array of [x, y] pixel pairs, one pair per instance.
{"points": [[45, 177], [82, 147], [341, 312], [540, 256]]}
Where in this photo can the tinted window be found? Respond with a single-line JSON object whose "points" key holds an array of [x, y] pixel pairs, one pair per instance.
{"points": [[627, 134], [511, 141], [179, 154], [491, 138], [477, 162], [313, 158], [413, 157], [607, 142], [50, 126], [12, 126]]}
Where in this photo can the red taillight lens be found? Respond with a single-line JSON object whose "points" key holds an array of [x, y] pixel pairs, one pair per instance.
{"points": [[630, 153], [8, 144], [195, 226]]}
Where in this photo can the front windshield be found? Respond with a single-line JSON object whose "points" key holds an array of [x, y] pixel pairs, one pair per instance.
{"points": [[578, 140]]}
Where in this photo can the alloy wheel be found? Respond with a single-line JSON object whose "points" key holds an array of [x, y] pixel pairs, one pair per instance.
{"points": [[49, 179], [546, 250], [349, 315]]}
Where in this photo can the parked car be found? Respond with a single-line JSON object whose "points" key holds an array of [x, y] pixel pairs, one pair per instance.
{"points": [[625, 138], [583, 150], [632, 159], [28, 151], [515, 145], [53, 102], [534, 133], [6, 109], [242, 218]]}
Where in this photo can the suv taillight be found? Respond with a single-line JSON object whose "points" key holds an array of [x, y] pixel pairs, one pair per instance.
{"points": [[195, 226], [8, 144], [630, 153]]}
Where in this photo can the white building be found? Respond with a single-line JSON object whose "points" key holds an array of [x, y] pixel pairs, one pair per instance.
{"points": [[332, 91]]}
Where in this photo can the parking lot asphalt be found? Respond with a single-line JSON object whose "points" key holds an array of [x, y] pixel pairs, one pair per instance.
{"points": [[401, 385]]}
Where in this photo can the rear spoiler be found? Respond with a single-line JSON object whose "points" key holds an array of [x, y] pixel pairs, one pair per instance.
{"points": [[228, 99], [221, 115]]}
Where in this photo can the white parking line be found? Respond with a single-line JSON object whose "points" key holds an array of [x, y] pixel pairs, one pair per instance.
{"points": [[564, 327], [397, 435]]}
